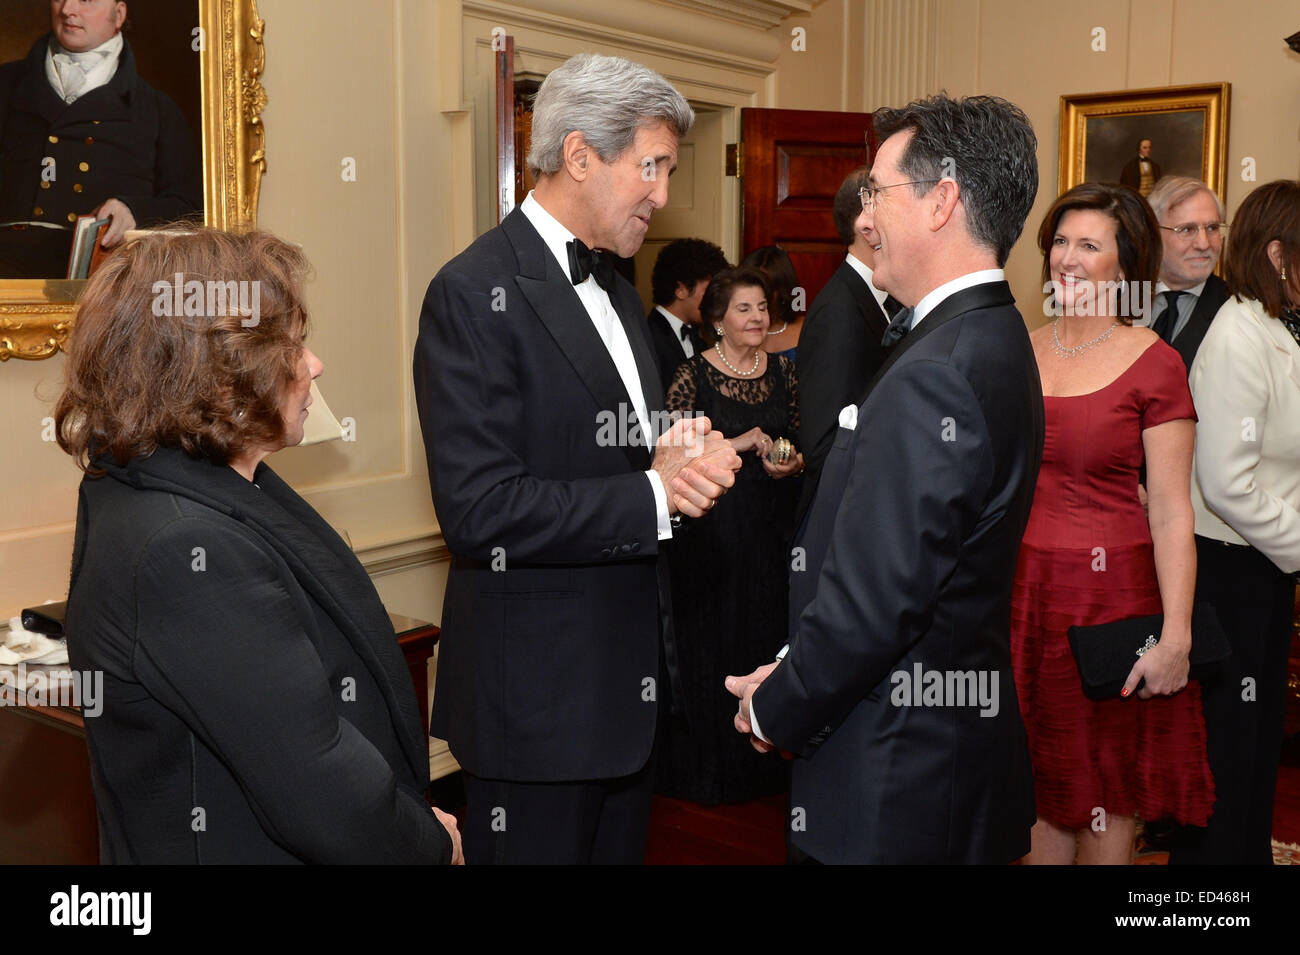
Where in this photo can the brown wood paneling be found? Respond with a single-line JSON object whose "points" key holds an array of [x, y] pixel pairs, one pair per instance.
{"points": [[794, 161]]}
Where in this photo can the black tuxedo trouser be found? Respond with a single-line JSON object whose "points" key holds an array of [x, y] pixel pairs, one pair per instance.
{"points": [[596, 822], [1255, 603]]}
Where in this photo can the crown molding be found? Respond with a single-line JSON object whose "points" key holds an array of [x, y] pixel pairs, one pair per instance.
{"points": [[727, 33], [759, 14]]}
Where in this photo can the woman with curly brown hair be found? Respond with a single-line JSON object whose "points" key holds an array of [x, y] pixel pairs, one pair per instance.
{"points": [[257, 708]]}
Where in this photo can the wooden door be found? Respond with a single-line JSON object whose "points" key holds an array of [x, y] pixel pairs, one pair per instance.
{"points": [[793, 161]]}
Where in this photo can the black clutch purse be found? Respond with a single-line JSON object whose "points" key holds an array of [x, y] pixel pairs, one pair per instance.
{"points": [[46, 619], [1105, 653]]}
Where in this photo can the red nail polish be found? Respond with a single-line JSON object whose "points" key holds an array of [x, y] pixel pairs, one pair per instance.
{"points": [[1124, 692]]}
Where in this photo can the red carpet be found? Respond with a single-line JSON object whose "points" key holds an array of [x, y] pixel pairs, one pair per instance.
{"points": [[753, 833]]}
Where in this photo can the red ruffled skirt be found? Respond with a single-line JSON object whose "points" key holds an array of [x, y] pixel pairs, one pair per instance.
{"points": [[1121, 756]]}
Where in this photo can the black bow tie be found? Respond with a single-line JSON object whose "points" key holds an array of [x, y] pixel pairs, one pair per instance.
{"points": [[686, 332], [584, 262], [899, 326]]}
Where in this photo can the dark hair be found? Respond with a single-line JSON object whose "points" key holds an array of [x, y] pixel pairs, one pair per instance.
{"points": [[717, 297], [848, 204], [984, 142], [139, 378], [1137, 234], [1271, 211], [774, 262], [686, 261]]}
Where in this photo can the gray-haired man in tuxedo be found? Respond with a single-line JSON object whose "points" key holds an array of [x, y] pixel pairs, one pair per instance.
{"points": [[540, 399]]}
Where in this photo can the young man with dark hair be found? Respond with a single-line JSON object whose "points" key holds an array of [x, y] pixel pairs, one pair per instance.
{"points": [[681, 274]]}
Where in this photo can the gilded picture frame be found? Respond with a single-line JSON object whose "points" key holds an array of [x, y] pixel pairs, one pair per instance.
{"points": [[36, 315], [1187, 125]]}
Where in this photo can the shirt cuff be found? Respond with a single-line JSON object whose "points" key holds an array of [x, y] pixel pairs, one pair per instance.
{"points": [[662, 519], [753, 722], [753, 713]]}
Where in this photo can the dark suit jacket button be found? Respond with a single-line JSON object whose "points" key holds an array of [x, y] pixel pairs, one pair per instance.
{"points": [[626, 548], [606, 552], [636, 546]]}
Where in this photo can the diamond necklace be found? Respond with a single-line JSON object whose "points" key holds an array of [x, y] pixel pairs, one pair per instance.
{"points": [[1064, 352]]}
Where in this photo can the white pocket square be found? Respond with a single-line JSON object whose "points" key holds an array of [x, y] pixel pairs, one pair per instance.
{"points": [[849, 417]]}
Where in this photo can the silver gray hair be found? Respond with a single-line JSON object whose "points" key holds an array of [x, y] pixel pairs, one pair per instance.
{"points": [[607, 99], [1171, 191]]}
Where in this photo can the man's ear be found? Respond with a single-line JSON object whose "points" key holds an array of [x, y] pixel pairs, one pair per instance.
{"points": [[576, 155], [682, 292], [120, 10], [944, 198]]}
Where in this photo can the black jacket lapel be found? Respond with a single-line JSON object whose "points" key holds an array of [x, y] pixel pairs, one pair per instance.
{"points": [[1211, 299], [984, 295], [551, 295], [877, 320], [628, 306], [110, 101]]}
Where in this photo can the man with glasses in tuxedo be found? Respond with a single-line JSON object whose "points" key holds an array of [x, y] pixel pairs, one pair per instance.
{"points": [[1188, 294]]}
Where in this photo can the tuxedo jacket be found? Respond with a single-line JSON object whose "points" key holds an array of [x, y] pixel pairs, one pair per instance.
{"points": [[1189, 339], [124, 140], [669, 352], [249, 670], [839, 353], [910, 551], [548, 663]]}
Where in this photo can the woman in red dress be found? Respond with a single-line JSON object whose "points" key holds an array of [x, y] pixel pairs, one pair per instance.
{"points": [[1115, 397]]}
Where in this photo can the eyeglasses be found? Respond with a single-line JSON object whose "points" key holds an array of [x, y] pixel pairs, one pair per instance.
{"points": [[868, 193], [1213, 230]]}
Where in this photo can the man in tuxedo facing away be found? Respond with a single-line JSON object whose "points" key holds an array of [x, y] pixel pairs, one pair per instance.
{"points": [[682, 271], [895, 693], [538, 395], [840, 349], [1191, 232]]}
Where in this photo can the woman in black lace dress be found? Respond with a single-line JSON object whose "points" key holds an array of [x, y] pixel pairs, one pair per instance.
{"points": [[729, 567]]}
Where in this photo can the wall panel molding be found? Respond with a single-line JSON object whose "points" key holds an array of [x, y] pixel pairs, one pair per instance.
{"points": [[902, 51]]}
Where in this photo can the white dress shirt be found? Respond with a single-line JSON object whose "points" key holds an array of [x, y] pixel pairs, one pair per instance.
{"points": [[867, 275], [1245, 382], [923, 308], [73, 75], [676, 324], [610, 329], [932, 299]]}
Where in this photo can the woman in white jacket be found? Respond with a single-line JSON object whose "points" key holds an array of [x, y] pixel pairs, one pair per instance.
{"points": [[1246, 497]]}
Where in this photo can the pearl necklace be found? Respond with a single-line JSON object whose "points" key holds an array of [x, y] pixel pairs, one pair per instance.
{"points": [[1064, 352], [743, 374], [784, 326]]}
